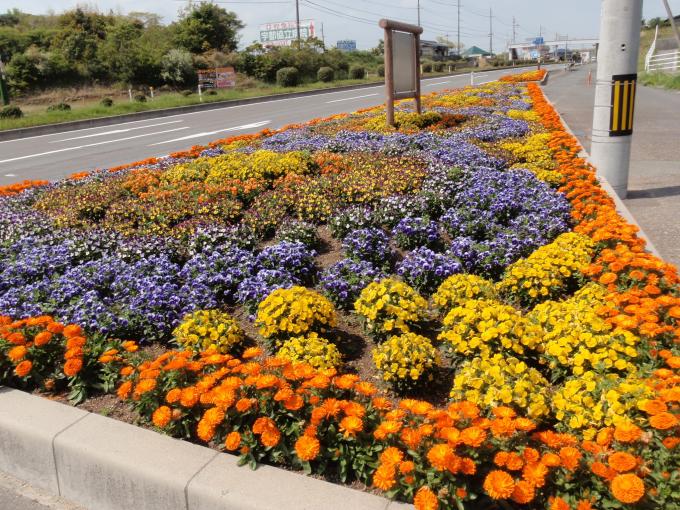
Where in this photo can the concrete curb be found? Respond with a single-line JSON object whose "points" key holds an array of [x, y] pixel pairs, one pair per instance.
{"points": [[620, 206], [13, 134], [104, 464]]}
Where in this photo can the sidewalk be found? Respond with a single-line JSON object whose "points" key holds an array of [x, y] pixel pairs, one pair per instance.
{"points": [[654, 182], [18, 495]]}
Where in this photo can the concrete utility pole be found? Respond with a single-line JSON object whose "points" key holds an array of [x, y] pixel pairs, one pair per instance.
{"points": [[514, 34], [490, 31], [297, 22], [418, 12], [458, 31], [615, 89]]}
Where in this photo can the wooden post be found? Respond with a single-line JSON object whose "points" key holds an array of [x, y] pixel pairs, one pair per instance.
{"points": [[391, 94], [389, 77]]}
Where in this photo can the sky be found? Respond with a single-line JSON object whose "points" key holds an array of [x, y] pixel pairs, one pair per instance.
{"points": [[357, 19]]}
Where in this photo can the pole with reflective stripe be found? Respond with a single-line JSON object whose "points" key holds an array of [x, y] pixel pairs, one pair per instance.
{"points": [[615, 90]]}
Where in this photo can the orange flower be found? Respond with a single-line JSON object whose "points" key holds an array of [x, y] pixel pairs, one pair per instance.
{"points": [[663, 421], [124, 390], [42, 338], [440, 456], [23, 368], [72, 367], [627, 432], [391, 455], [425, 499], [189, 396], [411, 438], [628, 488], [570, 457], [601, 470], [523, 492], [607, 278], [232, 441], [365, 388], [654, 406], [251, 352], [294, 403], [406, 467], [535, 473], [145, 386], [307, 448], [473, 436], [383, 478], [350, 425], [161, 416], [622, 461], [173, 396], [499, 484], [671, 442], [551, 459], [559, 504], [17, 353]]}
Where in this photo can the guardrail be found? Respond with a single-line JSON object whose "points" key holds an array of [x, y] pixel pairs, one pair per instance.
{"points": [[668, 62]]}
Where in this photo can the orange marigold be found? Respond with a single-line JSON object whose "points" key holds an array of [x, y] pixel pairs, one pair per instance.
{"points": [[383, 478], [627, 432], [654, 406], [17, 353], [307, 448], [570, 457], [425, 499], [622, 461], [72, 367], [161, 416], [499, 484], [628, 488], [391, 455], [523, 492], [23, 369], [663, 421], [42, 338], [124, 390], [473, 436], [232, 441], [350, 425], [440, 456]]}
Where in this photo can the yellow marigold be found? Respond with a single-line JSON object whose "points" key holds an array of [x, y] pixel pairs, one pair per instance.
{"points": [[499, 484], [203, 330], [628, 488], [307, 448]]}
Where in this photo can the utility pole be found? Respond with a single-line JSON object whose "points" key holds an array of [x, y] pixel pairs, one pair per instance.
{"points": [[490, 31], [514, 34], [297, 22], [323, 39], [615, 89], [418, 12], [676, 33], [458, 31]]}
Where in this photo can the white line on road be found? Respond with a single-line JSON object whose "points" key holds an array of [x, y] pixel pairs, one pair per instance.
{"points": [[91, 145], [209, 133], [10, 175], [116, 131], [437, 83], [350, 98]]}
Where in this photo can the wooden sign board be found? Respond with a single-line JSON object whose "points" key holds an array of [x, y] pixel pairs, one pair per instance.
{"points": [[402, 63]]}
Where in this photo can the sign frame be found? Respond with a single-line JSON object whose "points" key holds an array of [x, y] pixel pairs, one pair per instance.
{"points": [[390, 27]]}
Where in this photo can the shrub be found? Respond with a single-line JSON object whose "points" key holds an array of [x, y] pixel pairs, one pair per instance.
{"points": [[311, 349], [325, 74], [211, 92], [186, 92], [388, 306], [293, 312], [341, 74], [209, 330], [106, 102], [427, 67], [438, 67], [403, 360], [11, 112], [357, 73], [287, 77], [139, 98], [381, 70], [59, 107]]}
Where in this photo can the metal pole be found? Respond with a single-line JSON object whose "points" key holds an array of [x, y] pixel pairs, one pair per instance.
{"points": [[458, 31], [297, 21], [418, 12], [615, 88], [676, 33], [490, 31]]}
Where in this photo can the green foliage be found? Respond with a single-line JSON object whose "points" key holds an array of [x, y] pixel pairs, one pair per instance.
{"points": [[177, 67], [287, 77], [59, 107], [325, 74], [207, 26], [381, 70], [11, 112], [140, 98], [438, 67], [357, 73], [106, 102], [664, 80], [427, 67]]}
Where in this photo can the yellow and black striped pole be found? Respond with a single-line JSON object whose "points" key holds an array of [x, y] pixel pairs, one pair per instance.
{"points": [[623, 104]]}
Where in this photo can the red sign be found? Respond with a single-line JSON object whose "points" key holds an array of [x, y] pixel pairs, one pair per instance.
{"points": [[218, 78]]}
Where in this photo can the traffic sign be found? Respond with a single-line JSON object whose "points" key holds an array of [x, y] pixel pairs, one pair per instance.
{"points": [[539, 41]]}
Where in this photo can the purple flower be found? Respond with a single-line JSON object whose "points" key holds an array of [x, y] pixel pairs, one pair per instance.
{"points": [[413, 232], [368, 244], [344, 280], [425, 270]]}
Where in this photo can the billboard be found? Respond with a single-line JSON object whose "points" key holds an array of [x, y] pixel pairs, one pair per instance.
{"points": [[217, 78], [346, 45], [283, 33]]}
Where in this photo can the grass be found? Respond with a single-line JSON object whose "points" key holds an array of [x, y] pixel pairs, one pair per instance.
{"points": [[646, 38], [663, 80], [37, 116]]}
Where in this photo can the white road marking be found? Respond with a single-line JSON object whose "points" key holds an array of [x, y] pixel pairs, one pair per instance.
{"points": [[116, 131], [350, 98], [91, 145], [437, 83], [10, 175], [209, 133]]}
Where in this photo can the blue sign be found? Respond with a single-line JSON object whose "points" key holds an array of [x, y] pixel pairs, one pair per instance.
{"points": [[346, 45], [534, 54], [539, 41]]}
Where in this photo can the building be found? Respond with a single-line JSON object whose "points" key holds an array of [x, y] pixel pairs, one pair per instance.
{"points": [[475, 52], [433, 50]]}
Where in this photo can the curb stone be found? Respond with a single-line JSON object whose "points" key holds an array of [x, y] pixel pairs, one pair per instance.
{"points": [[17, 133], [104, 464]]}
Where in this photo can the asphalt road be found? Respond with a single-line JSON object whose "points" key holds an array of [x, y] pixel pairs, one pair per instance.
{"points": [[18, 495], [654, 180], [57, 155]]}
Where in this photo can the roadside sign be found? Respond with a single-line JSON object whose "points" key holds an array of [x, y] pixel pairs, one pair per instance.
{"points": [[623, 104], [539, 41], [217, 78], [403, 56], [283, 33]]}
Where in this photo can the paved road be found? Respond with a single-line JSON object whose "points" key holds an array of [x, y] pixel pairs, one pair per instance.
{"points": [[654, 182], [57, 155], [17, 495]]}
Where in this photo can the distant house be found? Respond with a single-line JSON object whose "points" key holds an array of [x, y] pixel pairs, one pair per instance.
{"points": [[475, 52], [433, 50]]}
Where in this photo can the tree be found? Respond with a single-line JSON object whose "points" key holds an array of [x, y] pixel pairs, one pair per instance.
{"points": [[177, 67], [207, 26], [120, 51], [379, 49]]}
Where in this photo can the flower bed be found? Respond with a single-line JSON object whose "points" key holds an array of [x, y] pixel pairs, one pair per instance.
{"points": [[536, 75], [313, 287]]}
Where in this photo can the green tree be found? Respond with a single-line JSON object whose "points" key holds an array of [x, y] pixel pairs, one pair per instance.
{"points": [[177, 67], [207, 26]]}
